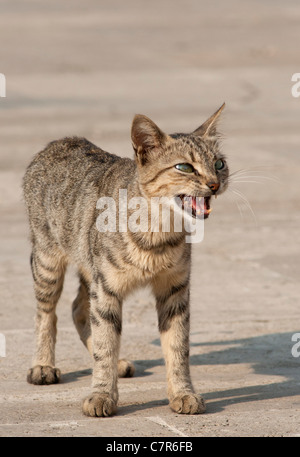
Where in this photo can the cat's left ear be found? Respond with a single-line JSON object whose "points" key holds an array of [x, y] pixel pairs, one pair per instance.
{"points": [[145, 136], [209, 128]]}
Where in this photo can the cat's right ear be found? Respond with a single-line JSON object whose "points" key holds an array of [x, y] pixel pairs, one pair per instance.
{"points": [[145, 136]]}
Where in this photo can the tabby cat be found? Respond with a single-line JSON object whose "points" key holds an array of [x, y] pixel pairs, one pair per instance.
{"points": [[62, 186]]}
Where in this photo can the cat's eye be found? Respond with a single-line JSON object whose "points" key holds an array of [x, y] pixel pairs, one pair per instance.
{"points": [[185, 167], [219, 164]]}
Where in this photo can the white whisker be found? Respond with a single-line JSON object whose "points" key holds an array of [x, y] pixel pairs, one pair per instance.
{"points": [[251, 180], [233, 197], [260, 178], [245, 180], [245, 201], [255, 175], [252, 173]]}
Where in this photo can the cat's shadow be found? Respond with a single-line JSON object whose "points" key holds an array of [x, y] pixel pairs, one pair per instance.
{"points": [[268, 355]]}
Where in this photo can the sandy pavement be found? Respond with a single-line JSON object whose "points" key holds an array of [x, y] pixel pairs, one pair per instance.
{"points": [[85, 68]]}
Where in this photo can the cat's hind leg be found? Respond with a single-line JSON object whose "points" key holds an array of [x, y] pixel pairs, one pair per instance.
{"points": [[126, 368], [81, 313], [48, 269]]}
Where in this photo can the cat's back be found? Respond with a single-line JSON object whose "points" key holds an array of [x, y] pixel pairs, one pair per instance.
{"points": [[64, 181], [65, 164], [67, 158], [61, 188]]}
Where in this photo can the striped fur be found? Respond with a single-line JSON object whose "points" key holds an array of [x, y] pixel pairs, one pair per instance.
{"points": [[61, 187]]}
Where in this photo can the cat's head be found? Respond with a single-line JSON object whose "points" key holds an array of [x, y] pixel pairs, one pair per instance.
{"points": [[180, 165]]}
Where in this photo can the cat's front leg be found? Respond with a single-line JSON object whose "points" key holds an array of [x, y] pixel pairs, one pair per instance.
{"points": [[106, 325], [172, 302]]}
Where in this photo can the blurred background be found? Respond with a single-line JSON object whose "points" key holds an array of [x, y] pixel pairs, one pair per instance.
{"points": [[85, 68]]}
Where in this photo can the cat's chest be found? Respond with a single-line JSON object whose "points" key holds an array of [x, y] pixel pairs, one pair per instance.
{"points": [[138, 267]]}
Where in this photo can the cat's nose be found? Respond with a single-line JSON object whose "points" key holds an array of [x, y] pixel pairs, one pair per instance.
{"points": [[214, 186]]}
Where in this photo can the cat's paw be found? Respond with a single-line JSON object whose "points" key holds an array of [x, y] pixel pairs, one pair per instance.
{"points": [[42, 375], [99, 405], [125, 368], [188, 404]]}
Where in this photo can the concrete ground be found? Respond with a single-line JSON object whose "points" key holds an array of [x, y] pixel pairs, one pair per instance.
{"points": [[85, 68]]}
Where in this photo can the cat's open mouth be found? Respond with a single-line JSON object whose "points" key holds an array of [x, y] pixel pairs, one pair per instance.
{"points": [[198, 207]]}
